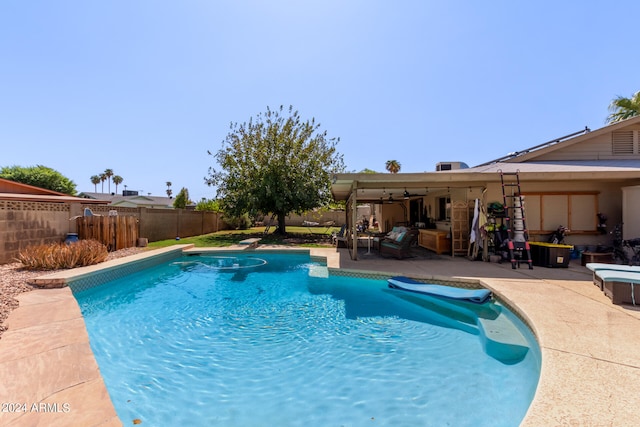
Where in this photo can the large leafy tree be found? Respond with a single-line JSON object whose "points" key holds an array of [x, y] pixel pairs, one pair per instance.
{"points": [[275, 163], [622, 108], [39, 176]]}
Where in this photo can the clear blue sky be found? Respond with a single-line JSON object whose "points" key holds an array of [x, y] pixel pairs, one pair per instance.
{"points": [[147, 87]]}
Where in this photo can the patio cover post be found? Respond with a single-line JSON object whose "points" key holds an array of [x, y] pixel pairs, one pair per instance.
{"points": [[354, 220]]}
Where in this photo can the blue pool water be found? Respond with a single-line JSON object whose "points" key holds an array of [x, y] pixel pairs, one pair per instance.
{"points": [[270, 340]]}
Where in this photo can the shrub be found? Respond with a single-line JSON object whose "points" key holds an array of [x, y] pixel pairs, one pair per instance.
{"points": [[238, 222], [208, 205], [57, 256]]}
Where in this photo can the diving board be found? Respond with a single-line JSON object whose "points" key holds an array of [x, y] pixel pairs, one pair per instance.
{"points": [[252, 243]]}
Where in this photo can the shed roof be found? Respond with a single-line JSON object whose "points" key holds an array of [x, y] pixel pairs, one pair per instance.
{"points": [[17, 191]]}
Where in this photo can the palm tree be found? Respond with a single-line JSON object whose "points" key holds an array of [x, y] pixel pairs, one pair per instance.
{"points": [[95, 180], [392, 166], [624, 108], [103, 178], [117, 180], [169, 191], [108, 173]]}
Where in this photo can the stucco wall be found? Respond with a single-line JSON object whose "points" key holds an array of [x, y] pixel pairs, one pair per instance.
{"points": [[631, 202]]}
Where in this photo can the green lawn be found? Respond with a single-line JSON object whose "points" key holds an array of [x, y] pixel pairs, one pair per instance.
{"points": [[298, 236]]}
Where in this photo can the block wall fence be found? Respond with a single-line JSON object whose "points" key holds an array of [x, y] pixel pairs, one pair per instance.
{"points": [[25, 223]]}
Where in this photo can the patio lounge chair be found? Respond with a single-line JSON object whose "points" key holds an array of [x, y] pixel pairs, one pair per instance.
{"points": [[338, 237], [597, 266], [398, 243], [619, 286]]}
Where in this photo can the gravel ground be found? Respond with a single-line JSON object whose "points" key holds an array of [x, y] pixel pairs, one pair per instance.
{"points": [[14, 280]]}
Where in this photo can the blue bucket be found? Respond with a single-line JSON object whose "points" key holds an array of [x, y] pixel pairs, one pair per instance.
{"points": [[71, 238]]}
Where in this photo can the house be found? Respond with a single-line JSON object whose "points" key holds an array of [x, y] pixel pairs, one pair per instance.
{"points": [[132, 200], [17, 191], [567, 181]]}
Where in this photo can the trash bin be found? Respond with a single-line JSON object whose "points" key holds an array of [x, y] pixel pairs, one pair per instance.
{"points": [[550, 254]]}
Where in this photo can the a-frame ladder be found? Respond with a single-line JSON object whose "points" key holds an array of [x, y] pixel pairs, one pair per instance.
{"points": [[515, 220], [270, 224]]}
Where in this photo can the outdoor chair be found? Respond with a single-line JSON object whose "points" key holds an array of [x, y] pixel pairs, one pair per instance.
{"points": [[398, 243], [339, 237]]}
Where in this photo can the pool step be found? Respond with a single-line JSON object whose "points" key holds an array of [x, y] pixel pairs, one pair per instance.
{"points": [[321, 271], [500, 338], [503, 340]]}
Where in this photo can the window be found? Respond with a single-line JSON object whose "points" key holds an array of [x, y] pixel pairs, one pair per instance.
{"points": [[444, 208], [544, 212]]}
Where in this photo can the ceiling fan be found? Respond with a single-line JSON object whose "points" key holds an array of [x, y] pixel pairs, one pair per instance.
{"points": [[390, 199], [407, 195]]}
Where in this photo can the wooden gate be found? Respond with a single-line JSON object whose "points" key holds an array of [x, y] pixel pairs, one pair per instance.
{"points": [[116, 232]]}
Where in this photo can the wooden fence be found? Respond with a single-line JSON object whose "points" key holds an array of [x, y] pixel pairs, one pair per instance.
{"points": [[116, 232]]}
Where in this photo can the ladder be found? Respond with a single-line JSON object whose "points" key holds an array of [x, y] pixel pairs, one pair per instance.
{"points": [[518, 235], [270, 224]]}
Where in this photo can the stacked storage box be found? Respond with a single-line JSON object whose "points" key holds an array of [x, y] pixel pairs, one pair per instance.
{"points": [[550, 254]]}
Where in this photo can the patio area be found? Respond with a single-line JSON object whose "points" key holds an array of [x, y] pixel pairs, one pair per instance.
{"points": [[590, 350]]}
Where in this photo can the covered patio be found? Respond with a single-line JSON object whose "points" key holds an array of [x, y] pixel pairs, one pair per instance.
{"points": [[554, 194]]}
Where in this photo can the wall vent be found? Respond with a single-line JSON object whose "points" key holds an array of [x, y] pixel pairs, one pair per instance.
{"points": [[622, 142]]}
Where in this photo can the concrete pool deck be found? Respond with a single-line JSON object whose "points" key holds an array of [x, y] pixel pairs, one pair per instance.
{"points": [[590, 349]]}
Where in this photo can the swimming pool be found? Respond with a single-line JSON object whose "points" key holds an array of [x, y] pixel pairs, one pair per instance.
{"points": [[272, 339]]}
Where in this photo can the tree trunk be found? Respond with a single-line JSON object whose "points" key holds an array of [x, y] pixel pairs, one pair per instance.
{"points": [[281, 224]]}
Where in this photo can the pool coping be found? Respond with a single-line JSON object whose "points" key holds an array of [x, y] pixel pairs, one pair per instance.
{"points": [[584, 381]]}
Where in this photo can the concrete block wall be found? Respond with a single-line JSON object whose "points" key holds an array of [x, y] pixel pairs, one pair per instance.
{"points": [[162, 224], [24, 224], [339, 217]]}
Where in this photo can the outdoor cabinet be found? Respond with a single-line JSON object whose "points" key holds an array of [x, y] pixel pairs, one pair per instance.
{"points": [[435, 240]]}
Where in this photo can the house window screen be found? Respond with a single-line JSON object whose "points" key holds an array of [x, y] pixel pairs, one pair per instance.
{"points": [[583, 213], [532, 212], [555, 211], [544, 212]]}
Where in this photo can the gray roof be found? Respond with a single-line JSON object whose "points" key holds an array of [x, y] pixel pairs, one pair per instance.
{"points": [[615, 164], [140, 199], [558, 166]]}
